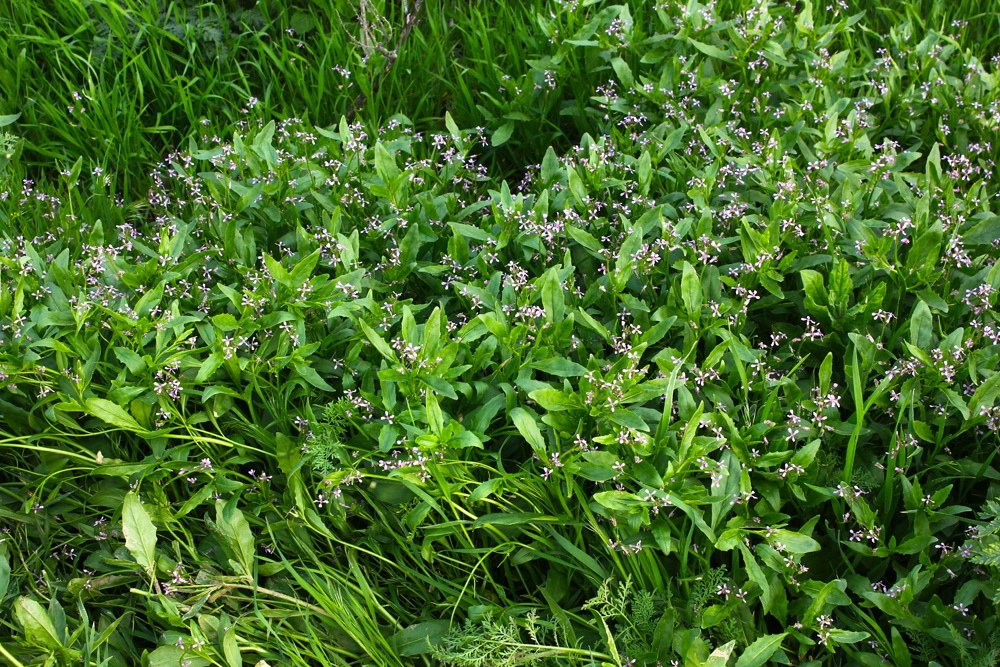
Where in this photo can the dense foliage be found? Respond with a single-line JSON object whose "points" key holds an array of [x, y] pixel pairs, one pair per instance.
{"points": [[670, 341]]}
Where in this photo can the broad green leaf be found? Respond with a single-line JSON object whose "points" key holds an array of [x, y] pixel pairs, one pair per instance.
{"points": [[449, 123], [231, 649], [710, 50], [691, 290], [464, 439], [817, 298], [983, 233], [175, 656], [689, 432], [848, 636], [645, 172], [841, 285], [9, 119], [559, 366], [825, 373], [576, 186], [113, 414], [550, 165], [485, 489], [554, 400], [985, 394], [377, 341], [921, 323], [441, 386], [278, 272], [38, 627], [695, 514], [310, 375], [626, 254], [816, 607], [553, 299], [385, 164], [140, 533], [435, 420], [131, 360], [209, 366], [419, 639], [925, 250], [502, 134], [623, 71], [761, 650], [795, 543], [236, 529], [528, 428]]}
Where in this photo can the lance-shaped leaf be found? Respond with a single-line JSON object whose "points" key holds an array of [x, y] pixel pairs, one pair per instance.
{"points": [[140, 533]]}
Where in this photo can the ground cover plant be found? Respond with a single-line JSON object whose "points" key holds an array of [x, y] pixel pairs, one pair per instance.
{"points": [[602, 334]]}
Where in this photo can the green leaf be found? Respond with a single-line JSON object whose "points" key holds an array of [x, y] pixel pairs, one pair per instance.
{"points": [[550, 165], [554, 400], [576, 186], [645, 172], [841, 285], [816, 607], [113, 414], [175, 656], [236, 529], [761, 650], [38, 627], [449, 123], [419, 639], [691, 290], [435, 420], [140, 533], [385, 164], [528, 428], [795, 543], [277, 271], [377, 341], [464, 439], [623, 71], [578, 554], [4, 576], [816, 299], [502, 134], [626, 254], [825, 373], [310, 375], [209, 366], [720, 656], [984, 233], [921, 326], [485, 489], [985, 394], [131, 360], [710, 50], [231, 649], [925, 250], [9, 119], [848, 636], [559, 366]]}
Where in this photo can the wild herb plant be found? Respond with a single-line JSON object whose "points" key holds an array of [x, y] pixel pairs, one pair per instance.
{"points": [[711, 381]]}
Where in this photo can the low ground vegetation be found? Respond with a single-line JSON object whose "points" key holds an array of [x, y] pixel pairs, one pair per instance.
{"points": [[603, 334]]}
